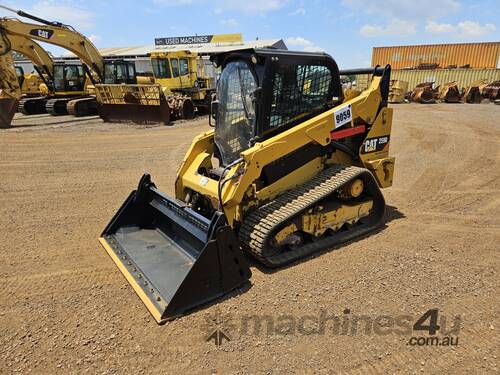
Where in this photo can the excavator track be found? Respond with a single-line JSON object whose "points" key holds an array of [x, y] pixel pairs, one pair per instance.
{"points": [[57, 107], [33, 106], [259, 228], [82, 107]]}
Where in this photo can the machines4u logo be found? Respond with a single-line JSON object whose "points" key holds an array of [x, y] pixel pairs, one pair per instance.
{"points": [[374, 144], [42, 33]]}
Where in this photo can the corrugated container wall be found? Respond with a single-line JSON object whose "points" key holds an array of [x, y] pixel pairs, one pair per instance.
{"points": [[463, 77], [477, 55]]}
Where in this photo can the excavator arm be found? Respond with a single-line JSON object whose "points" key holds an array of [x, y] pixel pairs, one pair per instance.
{"points": [[34, 52]]}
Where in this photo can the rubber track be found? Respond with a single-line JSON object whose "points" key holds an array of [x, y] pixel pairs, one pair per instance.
{"points": [[53, 106], [28, 99], [262, 224], [74, 109]]}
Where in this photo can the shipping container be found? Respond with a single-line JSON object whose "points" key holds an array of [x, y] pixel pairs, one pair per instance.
{"points": [[463, 77], [476, 55]]}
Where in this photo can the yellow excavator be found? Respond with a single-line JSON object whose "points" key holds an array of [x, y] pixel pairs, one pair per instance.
{"points": [[179, 90], [61, 81], [70, 78], [32, 103], [290, 169]]}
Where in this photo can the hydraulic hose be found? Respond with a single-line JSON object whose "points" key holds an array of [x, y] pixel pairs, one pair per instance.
{"points": [[223, 181]]}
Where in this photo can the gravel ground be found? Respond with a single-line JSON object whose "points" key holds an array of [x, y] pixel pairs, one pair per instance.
{"points": [[65, 308]]}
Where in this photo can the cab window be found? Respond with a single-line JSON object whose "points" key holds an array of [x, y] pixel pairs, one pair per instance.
{"points": [[299, 91], [19, 71], [175, 67], [160, 68], [183, 67], [121, 73], [109, 73], [131, 71]]}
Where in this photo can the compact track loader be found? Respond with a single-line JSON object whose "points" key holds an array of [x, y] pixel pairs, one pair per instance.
{"points": [[291, 168]]}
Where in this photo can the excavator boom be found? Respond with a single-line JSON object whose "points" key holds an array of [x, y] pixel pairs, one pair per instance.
{"points": [[58, 34], [72, 95]]}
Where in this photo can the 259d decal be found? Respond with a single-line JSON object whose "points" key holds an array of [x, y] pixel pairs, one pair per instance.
{"points": [[374, 144]]}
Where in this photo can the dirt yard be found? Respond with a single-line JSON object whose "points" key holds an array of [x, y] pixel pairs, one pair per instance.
{"points": [[65, 307]]}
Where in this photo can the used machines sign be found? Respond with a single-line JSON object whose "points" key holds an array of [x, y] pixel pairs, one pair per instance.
{"points": [[199, 39]]}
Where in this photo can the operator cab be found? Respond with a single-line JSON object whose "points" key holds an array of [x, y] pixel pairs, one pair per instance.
{"points": [[263, 92], [69, 78], [119, 72]]}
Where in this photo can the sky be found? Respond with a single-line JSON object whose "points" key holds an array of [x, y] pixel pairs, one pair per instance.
{"points": [[346, 29]]}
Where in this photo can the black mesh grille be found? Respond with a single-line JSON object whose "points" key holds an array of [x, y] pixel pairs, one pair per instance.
{"points": [[299, 90]]}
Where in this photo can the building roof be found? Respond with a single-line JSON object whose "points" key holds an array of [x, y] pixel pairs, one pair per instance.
{"points": [[209, 48]]}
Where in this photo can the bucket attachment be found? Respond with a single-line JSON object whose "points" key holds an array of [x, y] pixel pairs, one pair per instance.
{"points": [[142, 104], [8, 107], [174, 258]]}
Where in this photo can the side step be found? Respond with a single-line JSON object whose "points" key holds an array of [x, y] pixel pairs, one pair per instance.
{"points": [[174, 258]]}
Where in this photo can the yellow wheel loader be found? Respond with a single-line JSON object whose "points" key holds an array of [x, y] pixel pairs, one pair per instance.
{"points": [[179, 90], [290, 169]]}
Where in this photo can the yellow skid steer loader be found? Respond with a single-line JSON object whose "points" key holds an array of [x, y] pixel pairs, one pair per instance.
{"points": [[291, 168]]}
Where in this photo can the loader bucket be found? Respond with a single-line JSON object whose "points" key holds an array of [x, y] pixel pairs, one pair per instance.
{"points": [[174, 258], [142, 104], [8, 107]]}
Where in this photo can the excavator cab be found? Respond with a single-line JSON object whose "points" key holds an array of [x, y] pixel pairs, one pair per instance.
{"points": [[119, 72], [69, 78]]}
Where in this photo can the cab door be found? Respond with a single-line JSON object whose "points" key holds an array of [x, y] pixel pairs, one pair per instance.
{"points": [[180, 73]]}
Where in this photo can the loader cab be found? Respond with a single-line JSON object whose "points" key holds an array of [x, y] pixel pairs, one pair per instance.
{"points": [[119, 72], [69, 78], [20, 75], [262, 92]]}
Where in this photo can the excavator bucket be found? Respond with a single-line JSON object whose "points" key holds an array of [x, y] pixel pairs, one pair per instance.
{"points": [[143, 104], [8, 107], [174, 258]]}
